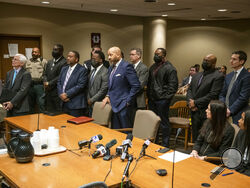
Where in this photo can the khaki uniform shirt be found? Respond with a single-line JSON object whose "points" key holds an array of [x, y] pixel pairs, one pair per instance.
{"points": [[36, 68]]}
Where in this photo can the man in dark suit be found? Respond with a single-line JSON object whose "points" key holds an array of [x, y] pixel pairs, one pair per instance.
{"points": [[87, 64], [162, 85], [236, 89], [205, 86], [188, 79], [50, 78], [98, 82], [142, 73], [15, 91], [123, 86], [72, 81]]}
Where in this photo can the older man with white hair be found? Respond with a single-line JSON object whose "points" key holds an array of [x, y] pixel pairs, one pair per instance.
{"points": [[15, 91]]}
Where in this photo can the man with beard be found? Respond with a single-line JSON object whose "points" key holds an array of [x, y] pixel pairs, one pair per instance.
{"points": [[205, 86], [98, 81], [50, 78], [35, 66], [122, 88], [162, 85]]}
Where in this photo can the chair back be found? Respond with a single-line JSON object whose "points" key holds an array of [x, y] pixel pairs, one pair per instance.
{"points": [[98, 184], [146, 124], [101, 115], [236, 130], [181, 109]]}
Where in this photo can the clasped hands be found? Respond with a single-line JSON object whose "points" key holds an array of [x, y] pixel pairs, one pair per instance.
{"points": [[194, 154], [64, 97], [8, 105], [191, 105]]}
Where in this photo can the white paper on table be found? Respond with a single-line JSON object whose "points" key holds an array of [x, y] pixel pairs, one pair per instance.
{"points": [[178, 156], [28, 53], [13, 49]]}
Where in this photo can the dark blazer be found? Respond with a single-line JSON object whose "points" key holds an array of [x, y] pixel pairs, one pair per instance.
{"points": [[208, 90], [52, 73], [123, 87], [239, 143], [142, 74], [75, 87], [18, 93], [240, 93], [99, 88]]}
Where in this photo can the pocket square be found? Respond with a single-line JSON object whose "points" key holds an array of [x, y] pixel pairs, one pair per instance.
{"points": [[118, 75]]}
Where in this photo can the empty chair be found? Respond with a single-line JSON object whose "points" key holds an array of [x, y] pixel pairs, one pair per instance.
{"points": [[145, 126], [98, 184], [182, 118], [101, 115]]}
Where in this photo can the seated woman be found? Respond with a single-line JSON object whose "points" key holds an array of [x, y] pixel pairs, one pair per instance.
{"points": [[216, 133], [242, 142]]}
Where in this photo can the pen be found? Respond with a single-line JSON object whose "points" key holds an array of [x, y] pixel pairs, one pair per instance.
{"points": [[227, 174]]}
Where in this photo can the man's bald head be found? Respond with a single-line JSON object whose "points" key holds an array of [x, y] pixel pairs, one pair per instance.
{"points": [[209, 62], [114, 55]]}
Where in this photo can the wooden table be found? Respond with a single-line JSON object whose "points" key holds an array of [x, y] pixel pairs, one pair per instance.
{"points": [[70, 170]]}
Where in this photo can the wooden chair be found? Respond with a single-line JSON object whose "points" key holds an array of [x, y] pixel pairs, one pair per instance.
{"points": [[145, 126], [182, 118], [101, 115]]}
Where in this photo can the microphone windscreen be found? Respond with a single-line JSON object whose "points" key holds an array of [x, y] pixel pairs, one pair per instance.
{"points": [[99, 136], [111, 143], [129, 136]]}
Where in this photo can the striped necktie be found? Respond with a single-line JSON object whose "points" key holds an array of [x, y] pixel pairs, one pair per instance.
{"points": [[67, 78], [230, 88]]}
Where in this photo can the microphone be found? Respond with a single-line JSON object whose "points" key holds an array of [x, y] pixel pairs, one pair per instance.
{"points": [[144, 147], [86, 142], [102, 151], [177, 134], [125, 173], [126, 144]]}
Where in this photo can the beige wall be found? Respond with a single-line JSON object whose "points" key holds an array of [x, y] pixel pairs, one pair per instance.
{"points": [[188, 42], [71, 28]]}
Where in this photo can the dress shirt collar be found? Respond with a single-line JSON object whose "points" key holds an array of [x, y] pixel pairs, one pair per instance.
{"points": [[238, 72], [135, 65]]}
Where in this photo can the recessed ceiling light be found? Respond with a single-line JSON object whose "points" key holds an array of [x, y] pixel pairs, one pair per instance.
{"points": [[113, 10], [164, 15], [203, 19], [171, 4], [45, 2], [222, 10]]}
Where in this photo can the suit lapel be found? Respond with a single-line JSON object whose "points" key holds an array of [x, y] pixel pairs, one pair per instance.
{"points": [[18, 76], [242, 73], [117, 71], [73, 73]]}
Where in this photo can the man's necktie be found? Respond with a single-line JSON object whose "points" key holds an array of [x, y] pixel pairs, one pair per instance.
{"points": [[66, 79], [199, 83], [92, 77], [14, 77], [112, 74], [230, 88]]}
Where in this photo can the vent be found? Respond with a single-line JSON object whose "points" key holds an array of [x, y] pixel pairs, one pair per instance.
{"points": [[173, 10], [149, 1], [220, 17]]}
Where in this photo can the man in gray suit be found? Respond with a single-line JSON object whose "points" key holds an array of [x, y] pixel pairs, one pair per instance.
{"points": [[142, 73], [98, 80], [15, 91]]}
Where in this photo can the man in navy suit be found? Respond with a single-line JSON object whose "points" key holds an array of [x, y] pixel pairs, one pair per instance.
{"points": [[236, 89], [72, 81], [123, 86]]}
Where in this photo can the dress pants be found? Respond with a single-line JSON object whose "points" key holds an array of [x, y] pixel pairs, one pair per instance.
{"points": [[161, 108], [35, 93], [52, 102], [74, 112], [122, 119]]}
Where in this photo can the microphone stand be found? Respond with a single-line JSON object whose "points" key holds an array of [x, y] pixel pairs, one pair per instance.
{"points": [[143, 153], [130, 159]]}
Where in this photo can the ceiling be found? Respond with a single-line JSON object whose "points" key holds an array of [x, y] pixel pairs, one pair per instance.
{"points": [[183, 10]]}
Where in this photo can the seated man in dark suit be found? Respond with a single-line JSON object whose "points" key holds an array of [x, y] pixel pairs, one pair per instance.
{"points": [[15, 91], [87, 64], [98, 82], [72, 81], [122, 89], [236, 89]]}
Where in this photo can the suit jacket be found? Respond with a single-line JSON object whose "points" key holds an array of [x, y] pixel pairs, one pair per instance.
{"points": [[240, 93], [52, 72], [209, 88], [99, 88], [142, 74], [18, 92], [123, 87], [87, 64], [185, 81], [75, 86]]}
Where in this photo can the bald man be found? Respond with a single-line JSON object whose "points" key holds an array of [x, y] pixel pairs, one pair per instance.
{"points": [[122, 88], [205, 86]]}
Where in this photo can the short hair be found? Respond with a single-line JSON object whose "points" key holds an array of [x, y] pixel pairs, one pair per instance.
{"points": [[22, 58], [77, 55], [60, 46], [163, 50], [242, 55], [197, 67], [96, 46], [138, 51], [225, 67], [101, 55]]}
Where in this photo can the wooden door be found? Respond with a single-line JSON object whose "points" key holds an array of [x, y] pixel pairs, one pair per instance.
{"points": [[22, 41]]}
